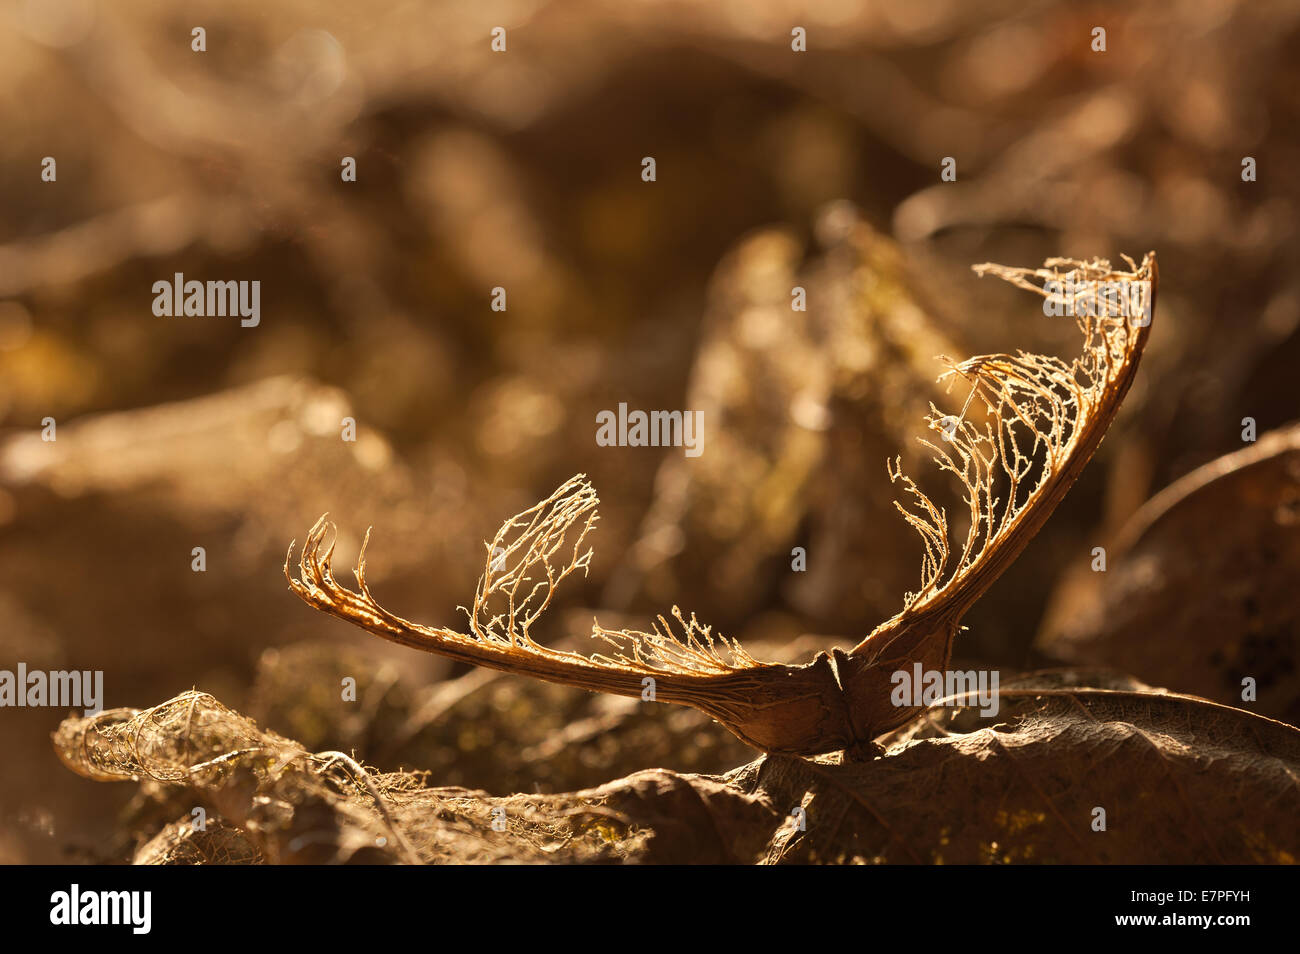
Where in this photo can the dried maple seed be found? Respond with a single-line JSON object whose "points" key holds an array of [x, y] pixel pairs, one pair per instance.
{"points": [[1042, 418]]}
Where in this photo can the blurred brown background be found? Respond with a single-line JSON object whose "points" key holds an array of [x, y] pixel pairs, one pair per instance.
{"points": [[522, 169]]}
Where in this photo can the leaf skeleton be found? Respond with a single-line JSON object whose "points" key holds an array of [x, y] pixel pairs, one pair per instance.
{"points": [[1044, 419]]}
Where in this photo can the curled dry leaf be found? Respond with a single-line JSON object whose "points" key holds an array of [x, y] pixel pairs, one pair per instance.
{"points": [[1218, 784], [1225, 599], [181, 843], [1042, 419]]}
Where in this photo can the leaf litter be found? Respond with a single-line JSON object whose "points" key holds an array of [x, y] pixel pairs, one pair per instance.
{"points": [[1062, 747]]}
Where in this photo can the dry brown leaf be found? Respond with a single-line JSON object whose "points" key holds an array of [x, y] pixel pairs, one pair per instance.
{"points": [[1219, 590], [1042, 420], [184, 843], [1216, 785]]}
